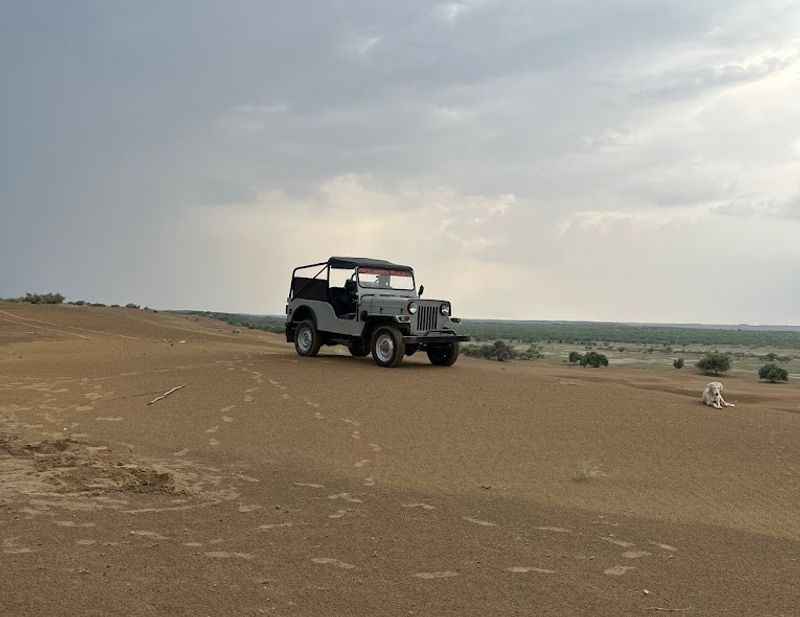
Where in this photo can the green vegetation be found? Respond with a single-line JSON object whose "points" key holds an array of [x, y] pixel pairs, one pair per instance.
{"points": [[583, 333], [714, 363], [30, 298], [594, 359], [575, 357], [679, 363], [773, 373], [502, 352]]}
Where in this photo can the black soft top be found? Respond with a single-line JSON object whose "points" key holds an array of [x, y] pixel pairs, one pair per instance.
{"points": [[365, 262]]}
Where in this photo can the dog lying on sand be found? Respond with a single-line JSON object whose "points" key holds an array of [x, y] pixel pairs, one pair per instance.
{"points": [[712, 396]]}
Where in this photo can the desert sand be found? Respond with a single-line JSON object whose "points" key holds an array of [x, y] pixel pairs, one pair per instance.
{"points": [[278, 485]]}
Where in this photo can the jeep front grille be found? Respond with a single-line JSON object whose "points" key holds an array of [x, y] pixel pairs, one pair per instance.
{"points": [[427, 315]]}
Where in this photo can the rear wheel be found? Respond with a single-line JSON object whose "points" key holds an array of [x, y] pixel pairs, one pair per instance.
{"points": [[358, 349], [388, 346], [444, 355], [307, 340]]}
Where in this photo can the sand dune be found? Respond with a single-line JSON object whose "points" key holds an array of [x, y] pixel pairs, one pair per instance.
{"points": [[277, 485]]}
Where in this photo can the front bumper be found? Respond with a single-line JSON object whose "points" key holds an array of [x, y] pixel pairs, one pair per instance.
{"points": [[434, 339]]}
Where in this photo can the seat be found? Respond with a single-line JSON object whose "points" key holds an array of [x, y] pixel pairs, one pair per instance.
{"points": [[343, 303]]}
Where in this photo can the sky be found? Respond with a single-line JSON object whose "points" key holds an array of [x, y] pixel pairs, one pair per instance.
{"points": [[625, 160]]}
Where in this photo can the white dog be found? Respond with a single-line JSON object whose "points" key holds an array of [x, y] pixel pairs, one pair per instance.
{"points": [[712, 396]]}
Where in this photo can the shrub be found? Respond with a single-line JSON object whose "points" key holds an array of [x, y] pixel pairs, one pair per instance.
{"points": [[771, 357], [575, 357], [714, 363], [594, 359], [532, 353], [48, 298], [679, 363], [131, 305], [773, 373]]}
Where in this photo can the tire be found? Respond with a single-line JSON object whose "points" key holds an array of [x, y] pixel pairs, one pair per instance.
{"points": [[444, 355], [358, 349], [388, 346], [307, 340]]}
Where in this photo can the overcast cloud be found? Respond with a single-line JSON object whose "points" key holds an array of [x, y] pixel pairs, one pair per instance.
{"points": [[620, 160]]}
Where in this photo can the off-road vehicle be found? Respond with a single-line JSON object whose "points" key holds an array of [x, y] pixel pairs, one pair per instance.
{"points": [[370, 306]]}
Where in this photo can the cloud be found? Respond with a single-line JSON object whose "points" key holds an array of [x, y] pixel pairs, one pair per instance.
{"points": [[566, 154]]}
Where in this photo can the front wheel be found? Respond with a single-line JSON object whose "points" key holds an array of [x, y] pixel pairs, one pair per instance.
{"points": [[444, 355], [307, 340], [388, 346]]}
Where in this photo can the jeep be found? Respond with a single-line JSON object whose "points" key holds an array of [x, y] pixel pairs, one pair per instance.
{"points": [[370, 306]]}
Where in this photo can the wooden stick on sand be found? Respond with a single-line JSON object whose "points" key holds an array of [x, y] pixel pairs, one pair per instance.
{"points": [[166, 394]]}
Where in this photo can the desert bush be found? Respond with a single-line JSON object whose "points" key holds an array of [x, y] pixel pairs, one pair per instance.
{"points": [[594, 359], [48, 298], [771, 357], [533, 352], [678, 363], [97, 304], [575, 357], [714, 363], [131, 305], [773, 373]]}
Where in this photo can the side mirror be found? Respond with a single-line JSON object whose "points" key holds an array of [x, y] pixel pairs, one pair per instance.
{"points": [[421, 289]]}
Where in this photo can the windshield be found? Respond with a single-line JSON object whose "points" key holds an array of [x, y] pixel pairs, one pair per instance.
{"points": [[380, 278]]}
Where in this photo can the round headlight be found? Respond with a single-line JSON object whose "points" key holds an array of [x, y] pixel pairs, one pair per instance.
{"points": [[445, 309], [412, 307]]}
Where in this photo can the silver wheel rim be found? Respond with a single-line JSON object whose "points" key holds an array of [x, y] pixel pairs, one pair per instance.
{"points": [[384, 348], [305, 339]]}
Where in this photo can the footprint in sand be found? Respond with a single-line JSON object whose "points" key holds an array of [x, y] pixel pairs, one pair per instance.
{"points": [[193, 544], [553, 529], [356, 434], [109, 418], [12, 547], [477, 521], [333, 562], [338, 514], [227, 408], [73, 524], [213, 442], [285, 396], [148, 534], [227, 419], [423, 506], [525, 570], [664, 547], [312, 404], [361, 463], [227, 555], [213, 429], [319, 416], [309, 485], [85, 542], [617, 542], [617, 570], [375, 447], [251, 390], [635, 554], [369, 481], [249, 508], [433, 575], [345, 497], [269, 526], [351, 422], [183, 452], [248, 398], [84, 408]]}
